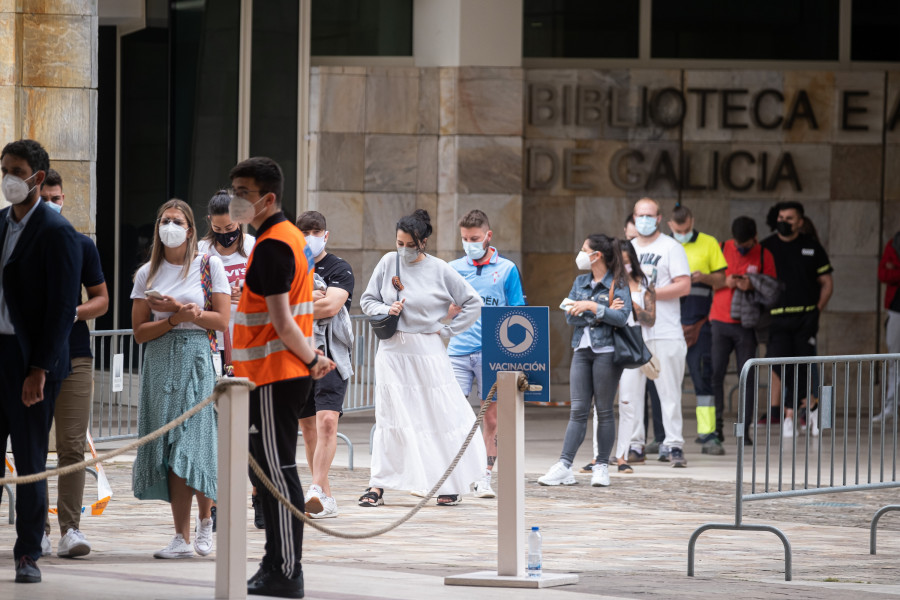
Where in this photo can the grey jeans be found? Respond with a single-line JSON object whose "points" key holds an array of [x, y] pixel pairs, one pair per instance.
{"points": [[593, 378]]}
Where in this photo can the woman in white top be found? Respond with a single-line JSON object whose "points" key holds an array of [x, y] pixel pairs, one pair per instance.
{"points": [[228, 241], [178, 373], [633, 381], [421, 414]]}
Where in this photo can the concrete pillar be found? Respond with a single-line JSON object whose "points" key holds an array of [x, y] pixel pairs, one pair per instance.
{"points": [[470, 33], [48, 91]]}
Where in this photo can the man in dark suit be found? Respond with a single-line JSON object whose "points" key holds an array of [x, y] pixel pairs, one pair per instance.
{"points": [[40, 258]]}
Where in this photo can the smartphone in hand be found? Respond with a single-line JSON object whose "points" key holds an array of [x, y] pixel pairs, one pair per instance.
{"points": [[153, 294]]}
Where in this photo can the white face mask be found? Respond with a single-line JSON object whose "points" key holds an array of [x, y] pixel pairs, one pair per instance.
{"points": [[15, 190], [408, 254], [172, 235], [583, 260], [474, 250], [241, 210], [316, 244]]}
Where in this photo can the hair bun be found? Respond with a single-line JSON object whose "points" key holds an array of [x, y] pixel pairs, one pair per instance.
{"points": [[422, 215]]}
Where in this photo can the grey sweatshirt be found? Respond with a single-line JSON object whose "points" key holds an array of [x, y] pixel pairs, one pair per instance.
{"points": [[429, 287]]}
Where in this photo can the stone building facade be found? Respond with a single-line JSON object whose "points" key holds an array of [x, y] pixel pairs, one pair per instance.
{"points": [[553, 155]]}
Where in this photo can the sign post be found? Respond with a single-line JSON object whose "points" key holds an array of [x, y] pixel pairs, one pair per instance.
{"points": [[514, 340]]}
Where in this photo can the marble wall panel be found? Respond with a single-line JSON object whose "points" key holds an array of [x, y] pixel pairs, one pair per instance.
{"points": [[427, 164], [819, 86], [505, 214], [711, 216], [312, 162], [892, 108], [846, 333], [57, 51], [391, 162], [594, 214], [340, 103], [79, 182], [851, 228], [7, 50], [381, 213], [445, 227], [547, 279], [59, 7], [892, 171], [392, 100], [429, 101], [548, 223], [709, 125], [488, 101], [756, 209], [489, 165], [856, 172], [448, 167], [855, 284], [64, 120], [890, 224], [872, 120], [341, 161], [344, 214], [7, 112], [448, 81]]}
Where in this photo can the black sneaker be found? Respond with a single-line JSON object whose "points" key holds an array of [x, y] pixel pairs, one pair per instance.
{"points": [[274, 583], [213, 510], [588, 468], [27, 571], [259, 521], [676, 457]]}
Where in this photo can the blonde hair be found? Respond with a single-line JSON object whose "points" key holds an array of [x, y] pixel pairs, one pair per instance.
{"points": [[157, 254]]}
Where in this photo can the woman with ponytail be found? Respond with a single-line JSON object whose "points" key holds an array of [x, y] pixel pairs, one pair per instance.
{"points": [[421, 414], [598, 301]]}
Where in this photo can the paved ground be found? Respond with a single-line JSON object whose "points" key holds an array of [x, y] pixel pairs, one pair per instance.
{"points": [[625, 541]]}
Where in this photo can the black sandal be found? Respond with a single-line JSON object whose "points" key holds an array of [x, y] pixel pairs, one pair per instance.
{"points": [[377, 499], [448, 500]]}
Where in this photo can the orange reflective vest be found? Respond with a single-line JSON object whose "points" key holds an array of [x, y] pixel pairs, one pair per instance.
{"points": [[258, 353]]}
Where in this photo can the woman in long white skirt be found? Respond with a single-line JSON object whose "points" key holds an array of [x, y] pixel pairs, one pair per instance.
{"points": [[421, 414]]}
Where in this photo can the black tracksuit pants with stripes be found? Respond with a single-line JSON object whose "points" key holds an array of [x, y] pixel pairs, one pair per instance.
{"points": [[274, 411]]}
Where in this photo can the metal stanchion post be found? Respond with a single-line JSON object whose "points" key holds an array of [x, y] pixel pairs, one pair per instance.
{"points": [[231, 534]]}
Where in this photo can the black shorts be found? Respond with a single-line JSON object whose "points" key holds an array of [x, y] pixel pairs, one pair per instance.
{"points": [[327, 394]]}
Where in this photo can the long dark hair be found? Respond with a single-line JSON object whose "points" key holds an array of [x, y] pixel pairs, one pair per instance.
{"points": [[637, 273], [417, 226], [218, 205], [609, 248]]}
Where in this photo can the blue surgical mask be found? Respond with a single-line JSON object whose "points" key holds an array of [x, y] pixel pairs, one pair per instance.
{"points": [[474, 250], [53, 205], [645, 225], [683, 238]]}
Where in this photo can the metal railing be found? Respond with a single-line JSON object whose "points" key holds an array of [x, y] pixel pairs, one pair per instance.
{"points": [[841, 450]]}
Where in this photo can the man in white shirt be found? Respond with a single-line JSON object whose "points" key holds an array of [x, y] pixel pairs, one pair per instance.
{"points": [[665, 263]]}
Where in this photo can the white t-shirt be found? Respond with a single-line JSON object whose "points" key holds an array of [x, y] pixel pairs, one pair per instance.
{"points": [[662, 261], [235, 270], [168, 281]]}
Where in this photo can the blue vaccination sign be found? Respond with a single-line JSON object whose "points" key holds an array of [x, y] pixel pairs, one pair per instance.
{"points": [[517, 338]]}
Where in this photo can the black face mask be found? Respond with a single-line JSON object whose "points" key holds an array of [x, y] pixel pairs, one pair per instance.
{"points": [[784, 228], [227, 239]]}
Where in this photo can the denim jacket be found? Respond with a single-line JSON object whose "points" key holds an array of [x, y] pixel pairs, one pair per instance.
{"points": [[600, 330]]}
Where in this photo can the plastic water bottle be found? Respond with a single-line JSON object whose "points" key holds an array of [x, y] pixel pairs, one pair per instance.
{"points": [[533, 570]]}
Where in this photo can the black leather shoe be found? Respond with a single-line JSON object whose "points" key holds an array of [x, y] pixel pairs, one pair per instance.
{"points": [[274, 583], [259, 521], [27, 571]]}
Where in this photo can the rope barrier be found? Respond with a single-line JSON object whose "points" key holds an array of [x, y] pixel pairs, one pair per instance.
{"points": [[522, 384], [218, 391]]}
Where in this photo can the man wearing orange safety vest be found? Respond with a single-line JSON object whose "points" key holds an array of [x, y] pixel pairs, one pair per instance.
{"points": [[273, 348]]}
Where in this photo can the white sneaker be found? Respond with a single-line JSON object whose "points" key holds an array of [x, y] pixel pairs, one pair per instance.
{"points": [[46, 546], [314, 498], [559, 474], [787, 428], [886, 414], [73, 544], [814, 422], [600, 476], [329, 509], [483, 488], [177, 548], [203, 537]]}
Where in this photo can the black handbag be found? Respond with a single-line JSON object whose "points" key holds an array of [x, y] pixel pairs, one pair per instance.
{"points": [[629, 349], [385, 326]]}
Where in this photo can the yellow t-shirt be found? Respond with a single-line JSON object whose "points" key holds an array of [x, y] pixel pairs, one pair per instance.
{"points": [[704, 254]]}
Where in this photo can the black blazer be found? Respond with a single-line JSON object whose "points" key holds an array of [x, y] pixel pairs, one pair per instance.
{"points": [[41, 285]]}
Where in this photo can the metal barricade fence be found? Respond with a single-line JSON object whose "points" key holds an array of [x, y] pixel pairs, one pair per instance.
{"points": [[841, 450]]}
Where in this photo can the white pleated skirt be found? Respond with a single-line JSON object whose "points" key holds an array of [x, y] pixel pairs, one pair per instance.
{"points": [[421, 418]]}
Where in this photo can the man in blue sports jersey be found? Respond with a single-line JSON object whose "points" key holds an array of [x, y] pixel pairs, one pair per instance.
{"points": [[497, 281]]}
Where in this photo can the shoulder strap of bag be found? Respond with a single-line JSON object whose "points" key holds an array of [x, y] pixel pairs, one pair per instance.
{"points": [[206, 284], [398, 275]]}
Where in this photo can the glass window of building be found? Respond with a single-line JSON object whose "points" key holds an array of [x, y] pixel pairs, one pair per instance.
{"points": [[578, 29], [875, 30], [361, 28], [758, 30]]}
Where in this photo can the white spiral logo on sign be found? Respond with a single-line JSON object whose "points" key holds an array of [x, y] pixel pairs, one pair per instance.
{"points": [[511, 346]]}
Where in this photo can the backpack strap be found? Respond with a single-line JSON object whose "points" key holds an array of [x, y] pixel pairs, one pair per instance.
{"points": [[206, 283]]}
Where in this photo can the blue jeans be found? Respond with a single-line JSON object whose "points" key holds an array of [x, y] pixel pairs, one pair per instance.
{"points": [[593, 378]]}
